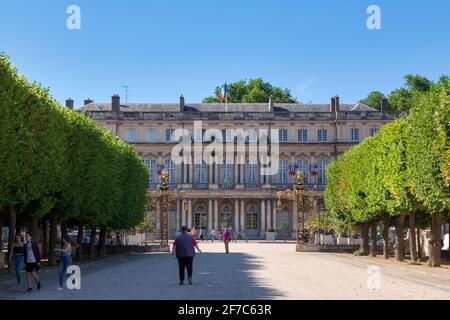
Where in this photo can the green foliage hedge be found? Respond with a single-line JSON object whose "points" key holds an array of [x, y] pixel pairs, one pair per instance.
{"points": [[404, 169], [59, 162]]}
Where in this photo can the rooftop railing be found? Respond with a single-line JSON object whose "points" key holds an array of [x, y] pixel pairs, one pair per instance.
{"points": [[319, 116]]}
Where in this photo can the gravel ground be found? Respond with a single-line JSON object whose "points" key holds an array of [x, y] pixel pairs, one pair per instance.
{"points": [[250, 271]]}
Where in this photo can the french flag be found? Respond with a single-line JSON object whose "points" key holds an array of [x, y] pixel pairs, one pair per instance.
{"points": [[223, 92]]}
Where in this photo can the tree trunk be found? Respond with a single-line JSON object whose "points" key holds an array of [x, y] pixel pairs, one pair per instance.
{"points": [[386, 237], [11, 234], [373, 235], [53, 240], [435, 244], [1, 233], [44, 239], [63, 231], [419, 248], [92, 244], [79, 243], [365, 239], [400, 241], [412, 237], [34, 227], [102, 242]]}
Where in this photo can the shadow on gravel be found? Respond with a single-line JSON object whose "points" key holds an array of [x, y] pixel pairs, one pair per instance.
{"points": [[155, 277]]}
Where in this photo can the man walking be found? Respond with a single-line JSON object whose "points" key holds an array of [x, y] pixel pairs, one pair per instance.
{"points": [[183, 246], [226, 239]]}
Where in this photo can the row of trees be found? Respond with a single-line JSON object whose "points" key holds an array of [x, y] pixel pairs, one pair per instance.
{"points": [[58, 167], [401, 177], [252, 91], [401, 99]]}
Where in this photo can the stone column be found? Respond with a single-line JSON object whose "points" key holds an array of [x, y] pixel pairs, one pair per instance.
{"points": [[242, 217], [269, 214], [210, 217], [183, 214], [216, 214], [242, 173], [274, 214], [236, 171], [216, 172], [210, 173], [189, 220], [236, 215], [263, 218]]}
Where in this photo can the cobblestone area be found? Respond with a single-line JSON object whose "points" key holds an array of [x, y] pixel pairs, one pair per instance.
{"points": [[250, 271]]}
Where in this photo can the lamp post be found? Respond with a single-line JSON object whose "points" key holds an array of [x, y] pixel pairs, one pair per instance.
{"points": [[298, 196], [166, 198]]}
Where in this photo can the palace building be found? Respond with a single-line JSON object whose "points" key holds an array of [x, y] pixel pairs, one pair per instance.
{"points": [[233, 193]]}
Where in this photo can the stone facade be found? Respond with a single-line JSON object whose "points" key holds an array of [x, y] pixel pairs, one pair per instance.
{"points": [[231, 194]]}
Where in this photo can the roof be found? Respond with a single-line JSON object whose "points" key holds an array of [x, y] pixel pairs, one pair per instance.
{"points": [[220, 107]]}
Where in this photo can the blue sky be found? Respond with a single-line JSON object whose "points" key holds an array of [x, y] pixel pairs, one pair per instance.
{"points": [[162, 49]]}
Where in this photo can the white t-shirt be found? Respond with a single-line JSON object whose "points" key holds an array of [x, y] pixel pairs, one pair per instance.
{"points": [[30, 254]]}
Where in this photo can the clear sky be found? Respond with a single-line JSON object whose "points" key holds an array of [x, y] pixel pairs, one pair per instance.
{"points": [[162, 48]]}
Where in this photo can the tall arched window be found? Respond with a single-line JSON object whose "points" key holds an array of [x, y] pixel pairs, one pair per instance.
{"points": [[200, 217], [226, 216]]}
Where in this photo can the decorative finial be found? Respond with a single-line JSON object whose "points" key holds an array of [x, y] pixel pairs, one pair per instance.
{"points": [[299, 176], [164, 177]]}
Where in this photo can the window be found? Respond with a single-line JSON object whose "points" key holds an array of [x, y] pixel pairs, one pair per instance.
{"points": [[283, 135], [226, 135], [130, 135], [251, 222], [374, 131], [169, 166], [302, 135], [252, 172], [354, 134], [252, 136], [322, 166], [150, 135], [283, 172], [303, 166], [322, 135], [227, 172], [283, 219], [200, 218], [169, 135], [151, 164], [201, 172]]}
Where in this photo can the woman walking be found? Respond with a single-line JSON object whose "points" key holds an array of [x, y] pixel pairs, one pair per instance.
{"points": [[32, 260], [66, 259], [17, 257]]}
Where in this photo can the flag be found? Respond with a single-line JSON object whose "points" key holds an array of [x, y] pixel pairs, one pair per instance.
{"points": [[223, 92]]}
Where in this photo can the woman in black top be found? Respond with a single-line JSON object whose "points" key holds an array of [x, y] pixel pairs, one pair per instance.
{"points": [[17, 255]]}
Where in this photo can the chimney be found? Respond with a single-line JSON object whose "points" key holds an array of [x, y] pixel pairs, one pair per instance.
{"points": [[384, 106], [336, 99], [69, 103], [181, 103], [87, 101], [115, 103], [271, 103], [333, 104]]}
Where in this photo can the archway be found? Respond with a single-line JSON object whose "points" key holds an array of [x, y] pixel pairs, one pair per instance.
{"points": [[226, 216], [200, 217]]}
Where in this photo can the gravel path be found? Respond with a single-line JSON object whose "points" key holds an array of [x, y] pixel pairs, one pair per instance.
{"points": [[250, 271]]}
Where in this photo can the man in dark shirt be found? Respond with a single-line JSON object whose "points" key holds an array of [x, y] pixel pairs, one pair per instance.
{"points": [[183, 246]]}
